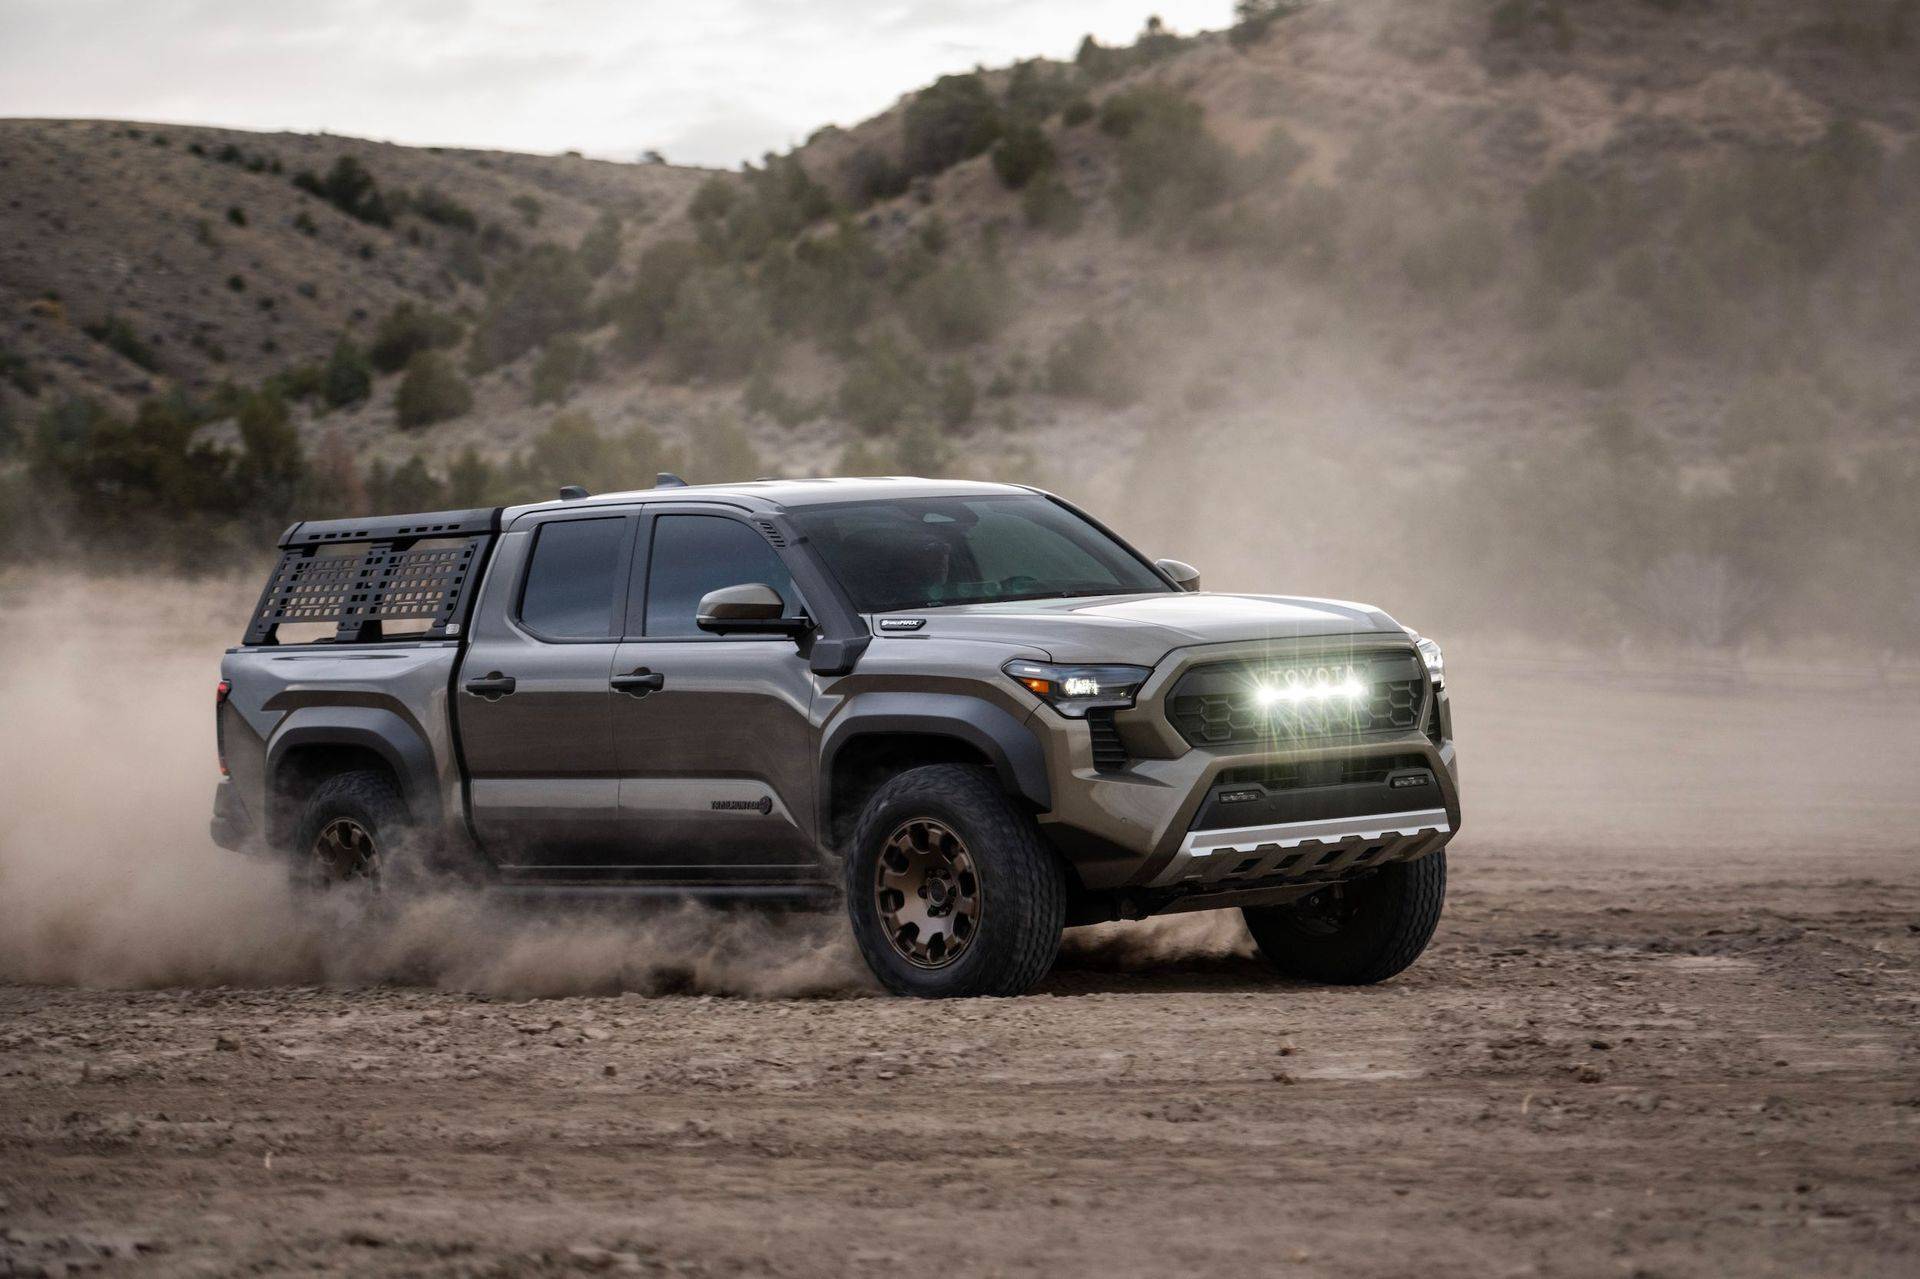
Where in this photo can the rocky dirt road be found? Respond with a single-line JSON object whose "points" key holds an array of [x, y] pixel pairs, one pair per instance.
{"points": [[1671, 1026]]}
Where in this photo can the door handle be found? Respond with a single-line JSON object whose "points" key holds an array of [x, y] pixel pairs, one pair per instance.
{"points": [[639, 683], [492, 684]]}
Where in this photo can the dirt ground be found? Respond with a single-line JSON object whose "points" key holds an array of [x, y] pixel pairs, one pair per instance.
{"points": [[1669, 1027]]}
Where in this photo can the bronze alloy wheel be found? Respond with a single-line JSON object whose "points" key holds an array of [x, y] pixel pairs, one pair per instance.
{"points": [[927, 893], [344, 850]]}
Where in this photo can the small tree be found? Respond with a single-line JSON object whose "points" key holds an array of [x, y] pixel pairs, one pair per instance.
{"points": [[951, 120], [1021, 155], [432, 391], [347, 377]]}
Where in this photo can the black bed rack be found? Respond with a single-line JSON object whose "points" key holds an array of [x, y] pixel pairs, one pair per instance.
{"points": [[362, 574]]}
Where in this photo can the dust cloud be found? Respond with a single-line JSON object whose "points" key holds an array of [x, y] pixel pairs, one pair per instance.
{"points": [[107, 876]]}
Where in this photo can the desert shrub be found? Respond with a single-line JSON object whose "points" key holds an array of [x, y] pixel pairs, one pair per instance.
{"points": [[573, 450], [600, 247], [640, 313], [1047, 205], [350, 188], [885, 385], [768, 206], [1170, 167], [1036, 89], [267, 473], [473, 481], [953, 119], [1253, 18], [117, 335], [1089, 362], [441, 209], [1077, 112], [717, 328], [958, 303], [1459, 257], [432, 391], [347, 377], [954, 395], [1594, 344], [921, 451], [466, 261], [19, 373], [863, 457], [407, 487], [542, 296], [299, 382], [236, 215], [823, 286], [529, 209], [713, 199], [872, 175], [1021, 155], [408, 330], [564, 363]]}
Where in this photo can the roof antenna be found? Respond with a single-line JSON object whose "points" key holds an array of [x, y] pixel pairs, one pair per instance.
{"points": [[571, 492], [668, 480]]}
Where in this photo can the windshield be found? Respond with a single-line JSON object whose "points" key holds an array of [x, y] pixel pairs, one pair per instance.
{"points": [[898, 554]]}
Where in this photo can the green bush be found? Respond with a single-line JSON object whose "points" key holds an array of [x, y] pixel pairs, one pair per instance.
{"points": [[408, 330], [1089, 362], [769, 206], [872, 175], [1047, 205], [953, 119], [823, 286], [885, 385], [542, 296], [441, 209], [961, 302], [717, 328], [600, 246], [1036, 89], [117, 335], [347, 377], [350, 188], [564, 363], [1022, 154], [1170, 167], [432, 391], [640, 313]]}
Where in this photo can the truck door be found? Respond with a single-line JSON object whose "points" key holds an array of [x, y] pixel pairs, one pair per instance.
{"points": [[532, 698], [711, 733]]}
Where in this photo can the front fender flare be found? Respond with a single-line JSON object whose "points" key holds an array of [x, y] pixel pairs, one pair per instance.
{"points": [[1010, 746]]}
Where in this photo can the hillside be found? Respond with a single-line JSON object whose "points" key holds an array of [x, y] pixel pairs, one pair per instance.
{"points": [[1600, 303]]}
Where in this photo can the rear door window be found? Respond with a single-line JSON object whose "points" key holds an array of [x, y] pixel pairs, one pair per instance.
{"points": [[573, 578]]}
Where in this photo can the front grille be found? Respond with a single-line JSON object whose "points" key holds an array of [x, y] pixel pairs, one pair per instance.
{"points": [[1109, 752], [1215, 705]]}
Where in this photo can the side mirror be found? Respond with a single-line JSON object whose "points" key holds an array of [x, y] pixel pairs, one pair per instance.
{"points": [[1184, 576], [752, 608]]}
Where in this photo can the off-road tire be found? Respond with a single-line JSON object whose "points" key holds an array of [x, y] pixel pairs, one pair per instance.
{"points": [[1393, 913], [372, 800], [1022, 884]]}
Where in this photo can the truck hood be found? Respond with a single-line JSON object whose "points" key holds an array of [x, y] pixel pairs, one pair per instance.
{"points": [[1140, 629]]}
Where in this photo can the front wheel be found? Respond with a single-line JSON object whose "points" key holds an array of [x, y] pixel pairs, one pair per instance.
{"points": [[950, 888], [1355, 933]]}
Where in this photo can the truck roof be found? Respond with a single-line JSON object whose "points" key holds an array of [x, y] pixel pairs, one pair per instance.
{"points": [[780, 494]]}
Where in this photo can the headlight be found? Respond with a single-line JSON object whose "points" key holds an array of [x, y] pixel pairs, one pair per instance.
{"points": [[1436, 661], [1075, 690]]}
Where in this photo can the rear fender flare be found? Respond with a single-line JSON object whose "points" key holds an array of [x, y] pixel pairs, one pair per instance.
{"points": [[372, 728]]}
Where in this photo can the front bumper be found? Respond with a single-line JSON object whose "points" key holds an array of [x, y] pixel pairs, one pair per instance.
{"points": [[1178, 821]]}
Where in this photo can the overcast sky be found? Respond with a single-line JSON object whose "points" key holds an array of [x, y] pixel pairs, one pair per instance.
{"points": [[705, 81]]}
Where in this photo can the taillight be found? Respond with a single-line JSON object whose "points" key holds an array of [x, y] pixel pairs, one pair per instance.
{"points": [[221, 692]]}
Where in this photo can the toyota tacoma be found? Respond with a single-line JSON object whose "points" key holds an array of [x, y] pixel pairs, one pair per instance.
{"points": [[969, 711]]}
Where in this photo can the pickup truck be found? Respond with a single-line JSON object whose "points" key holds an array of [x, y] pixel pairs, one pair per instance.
{"points": [[969, 711]]}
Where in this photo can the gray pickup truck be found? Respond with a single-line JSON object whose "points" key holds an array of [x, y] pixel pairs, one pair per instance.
{"points": [[969, 711]]}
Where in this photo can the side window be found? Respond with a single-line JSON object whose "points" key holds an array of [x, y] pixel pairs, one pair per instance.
{"points": [[694, 554], [571, 578]]}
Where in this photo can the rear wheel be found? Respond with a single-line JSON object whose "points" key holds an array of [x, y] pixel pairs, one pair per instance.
{"points": [[1356, 933], [349, 832], [950, 888]]}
